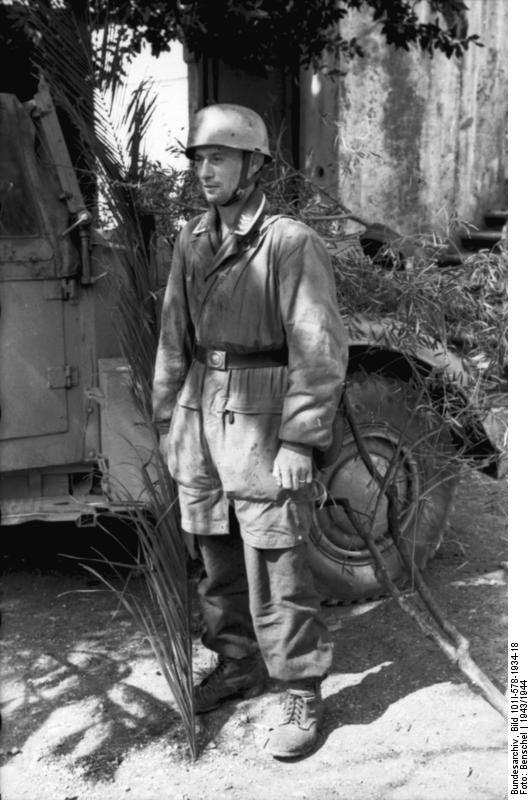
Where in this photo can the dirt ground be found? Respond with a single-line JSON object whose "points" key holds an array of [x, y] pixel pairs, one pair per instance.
{"points": [[88, 716]]}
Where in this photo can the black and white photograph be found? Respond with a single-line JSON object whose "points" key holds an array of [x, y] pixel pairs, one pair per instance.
{"points": [[254, 400]]}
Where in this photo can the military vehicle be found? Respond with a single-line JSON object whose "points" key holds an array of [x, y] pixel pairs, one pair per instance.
{"points": [[72, 441], [67, 419]]}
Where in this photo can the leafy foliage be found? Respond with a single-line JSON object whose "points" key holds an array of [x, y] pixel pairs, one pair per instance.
{"points": [[256, 35], [263, 34], [464, 307]]}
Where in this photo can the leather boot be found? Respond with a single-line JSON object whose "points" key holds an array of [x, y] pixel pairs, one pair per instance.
{"points": [[297, 733], [231, 678]]}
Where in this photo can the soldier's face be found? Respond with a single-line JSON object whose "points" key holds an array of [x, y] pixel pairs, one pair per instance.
{"points": [[218, 170]]}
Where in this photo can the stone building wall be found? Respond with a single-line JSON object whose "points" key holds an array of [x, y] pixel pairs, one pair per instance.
{"points": [[411, 140]]}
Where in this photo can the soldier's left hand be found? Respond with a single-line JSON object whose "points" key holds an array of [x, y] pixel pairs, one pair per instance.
{"points": [[292, 470]]}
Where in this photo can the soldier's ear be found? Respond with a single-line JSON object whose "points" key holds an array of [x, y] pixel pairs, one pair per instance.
{"points": [[255, 164]]}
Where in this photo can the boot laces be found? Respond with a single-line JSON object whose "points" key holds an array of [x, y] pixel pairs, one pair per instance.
{"points": [[216, 674], [294, 709]]}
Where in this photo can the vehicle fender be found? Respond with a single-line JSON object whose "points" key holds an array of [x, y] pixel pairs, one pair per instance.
{"points": [[385, 346]]}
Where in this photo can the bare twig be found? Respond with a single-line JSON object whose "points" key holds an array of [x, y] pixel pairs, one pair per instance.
{"points": [[445, 635], [458, 655]]}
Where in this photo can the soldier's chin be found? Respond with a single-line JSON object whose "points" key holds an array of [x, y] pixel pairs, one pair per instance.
{"points": [[215, 197]]}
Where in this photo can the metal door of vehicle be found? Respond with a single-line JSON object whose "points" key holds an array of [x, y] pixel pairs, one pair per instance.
{"points": [[41, 314]]}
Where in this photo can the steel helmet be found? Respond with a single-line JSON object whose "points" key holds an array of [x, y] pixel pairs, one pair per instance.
{"points": [[228, 125]]}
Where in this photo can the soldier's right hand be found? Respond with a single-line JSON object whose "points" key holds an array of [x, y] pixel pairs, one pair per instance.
{"points": [[292, 470]]}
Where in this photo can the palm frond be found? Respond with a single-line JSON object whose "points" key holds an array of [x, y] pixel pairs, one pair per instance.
{"points": [[85, 83]]}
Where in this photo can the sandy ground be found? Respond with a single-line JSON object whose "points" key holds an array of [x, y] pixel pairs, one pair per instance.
{"points": [[88, 716]]}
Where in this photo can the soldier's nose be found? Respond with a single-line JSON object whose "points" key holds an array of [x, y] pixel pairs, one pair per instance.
{"points": [[205, 170]]}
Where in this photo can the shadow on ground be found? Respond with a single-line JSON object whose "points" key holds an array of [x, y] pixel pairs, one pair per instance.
{"points": [[79, 683]]}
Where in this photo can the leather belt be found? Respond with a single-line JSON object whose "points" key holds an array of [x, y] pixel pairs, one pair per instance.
{"points": [[225, 359]]}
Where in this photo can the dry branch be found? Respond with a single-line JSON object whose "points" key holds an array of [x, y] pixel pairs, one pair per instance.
{"points": [[442, 632]]}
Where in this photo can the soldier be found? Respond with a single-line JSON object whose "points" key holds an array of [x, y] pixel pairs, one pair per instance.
{"points": [[248, 375]]}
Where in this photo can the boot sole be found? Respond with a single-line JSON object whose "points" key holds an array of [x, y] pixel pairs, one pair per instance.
{"points": [[293, 756]]}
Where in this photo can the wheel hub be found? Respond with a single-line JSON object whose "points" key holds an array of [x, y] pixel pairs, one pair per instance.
{"points": [[349, 479]]}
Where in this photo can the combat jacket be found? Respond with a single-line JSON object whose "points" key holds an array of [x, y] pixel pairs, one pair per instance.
{"points": [[268, 285]]}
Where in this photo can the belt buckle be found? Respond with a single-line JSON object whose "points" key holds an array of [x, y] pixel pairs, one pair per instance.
{"points": [[216, 359]]}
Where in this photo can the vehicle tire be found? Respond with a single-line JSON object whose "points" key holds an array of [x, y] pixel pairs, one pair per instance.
{"points": [[398, 429]]}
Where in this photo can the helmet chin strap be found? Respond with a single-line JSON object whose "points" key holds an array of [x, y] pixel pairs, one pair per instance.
{"points": [[243, 183]]}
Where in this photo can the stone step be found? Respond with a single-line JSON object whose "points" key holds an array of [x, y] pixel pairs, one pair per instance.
{"points": [[483, 239], [496, 218]]}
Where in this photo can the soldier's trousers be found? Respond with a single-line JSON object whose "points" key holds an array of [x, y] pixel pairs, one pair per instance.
{"points": [[263, 599]]}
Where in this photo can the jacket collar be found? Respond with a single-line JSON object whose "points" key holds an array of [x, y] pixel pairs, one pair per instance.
{"points": [[251, 213]]}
